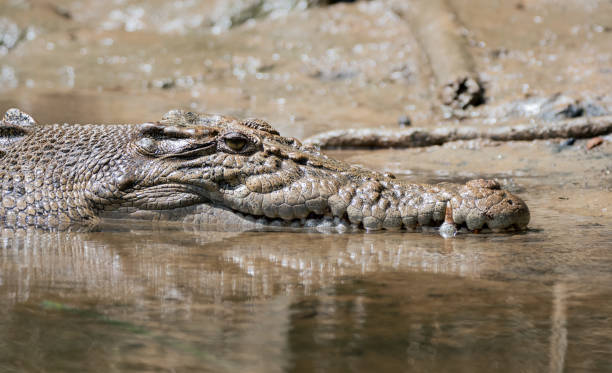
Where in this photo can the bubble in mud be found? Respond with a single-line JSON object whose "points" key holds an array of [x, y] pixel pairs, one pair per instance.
{"points": [[448, 230]]}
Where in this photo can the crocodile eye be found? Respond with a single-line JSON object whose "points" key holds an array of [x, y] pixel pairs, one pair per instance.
{"points": [[236, 143]]}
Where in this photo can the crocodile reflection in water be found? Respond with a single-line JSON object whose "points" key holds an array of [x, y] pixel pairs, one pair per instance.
{"points": [[216, 170], [129, 258]]}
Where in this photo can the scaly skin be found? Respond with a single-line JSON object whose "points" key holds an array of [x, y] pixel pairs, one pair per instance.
{"points": [[210, 169]]}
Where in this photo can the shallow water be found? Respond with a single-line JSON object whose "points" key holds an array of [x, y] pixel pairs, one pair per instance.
{"points": [[149, 298]]}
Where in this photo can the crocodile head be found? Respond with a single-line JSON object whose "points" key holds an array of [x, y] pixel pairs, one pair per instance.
{"points": [[210, 168]]}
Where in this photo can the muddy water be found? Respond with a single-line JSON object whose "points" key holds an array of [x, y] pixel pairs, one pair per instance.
{"points": [[144, 299], [172, 298], [175, 298]]}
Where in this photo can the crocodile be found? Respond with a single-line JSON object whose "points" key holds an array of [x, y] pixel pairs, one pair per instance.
{"points": [[209, 170]]}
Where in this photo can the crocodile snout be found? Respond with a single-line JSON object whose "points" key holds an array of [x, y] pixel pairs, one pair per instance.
{"points": [[510, 212], [482, 203]]}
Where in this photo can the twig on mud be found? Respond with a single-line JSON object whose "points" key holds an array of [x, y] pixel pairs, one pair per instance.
{"points": [[578, 128]]}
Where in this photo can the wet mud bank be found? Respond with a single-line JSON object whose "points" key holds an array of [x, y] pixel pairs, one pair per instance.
{"points": [[307, 67]]}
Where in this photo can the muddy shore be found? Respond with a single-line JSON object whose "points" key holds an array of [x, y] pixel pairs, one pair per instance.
{"points": [[311, 67]]}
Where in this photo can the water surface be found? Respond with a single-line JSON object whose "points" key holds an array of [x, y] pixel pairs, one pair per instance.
{"points": [[149, 298]]}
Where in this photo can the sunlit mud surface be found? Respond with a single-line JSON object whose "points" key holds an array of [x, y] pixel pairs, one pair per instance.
{"points": [[173, 298]]}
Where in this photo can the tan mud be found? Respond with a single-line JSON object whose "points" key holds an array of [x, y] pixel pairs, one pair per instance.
{"points": [[439, 33], [343, 66]]}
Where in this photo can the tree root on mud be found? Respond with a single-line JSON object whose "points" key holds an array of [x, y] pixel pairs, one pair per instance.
{"points": [[578, 128]]}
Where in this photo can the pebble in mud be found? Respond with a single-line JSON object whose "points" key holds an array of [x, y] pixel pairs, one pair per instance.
{"points": [[568, 142], [594, 142], [556, 107], [404, 121], [564, 145]]}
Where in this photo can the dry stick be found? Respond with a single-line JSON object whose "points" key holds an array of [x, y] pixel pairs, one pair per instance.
{"points": [[578, 128], [438, 32]]}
